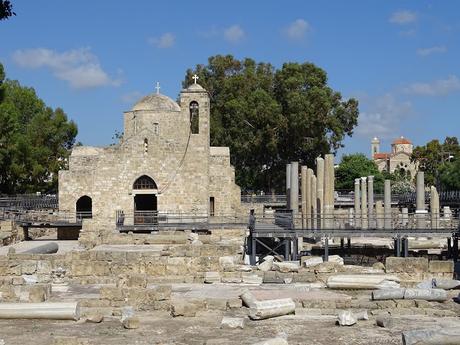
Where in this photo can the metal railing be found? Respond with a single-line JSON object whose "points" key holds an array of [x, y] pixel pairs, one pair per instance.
{"points": [[29, 202]]}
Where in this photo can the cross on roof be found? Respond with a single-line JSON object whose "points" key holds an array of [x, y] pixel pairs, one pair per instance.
{"points": [[195, 78], [158, 88]]}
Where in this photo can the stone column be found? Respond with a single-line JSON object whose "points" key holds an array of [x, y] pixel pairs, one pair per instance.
{"points": [[314, 203], [387, 204], [420, 212], [320, 190], [309, 198], [379, 212], [434, 207], [370, 201], [294, 192], [364, 224], [404, 216], [304, 182], [357, 204], [288, 186], [328, 191]]}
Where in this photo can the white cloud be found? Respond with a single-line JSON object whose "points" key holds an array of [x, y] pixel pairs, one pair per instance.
{"points": [[131, 97], [435, 88], [166, 40], [234, 34], [382, 116], [431, 50], [297, 29], [403, 17], [79, 67]]}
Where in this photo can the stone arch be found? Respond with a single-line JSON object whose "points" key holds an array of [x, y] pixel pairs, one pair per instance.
{"points": [[194, 117], [144, 182], [84, 207]]}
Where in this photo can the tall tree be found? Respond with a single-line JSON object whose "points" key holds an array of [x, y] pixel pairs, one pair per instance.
{"points": [[433, 156], [6, 9], [35, 140], [269, 116], [355, 166]]}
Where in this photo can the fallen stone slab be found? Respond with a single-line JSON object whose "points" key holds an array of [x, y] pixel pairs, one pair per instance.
{"points": [[346, 318], [267, 264], [46, 310], [387, 294], [271, 308], [438, 336], [286, 266], [436, 283], [274, 341], [426, 294], [252, 279], [232, 322], [47, 248], [362, 281]]}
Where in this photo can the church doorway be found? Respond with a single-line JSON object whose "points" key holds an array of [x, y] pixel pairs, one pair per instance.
{"points": [[145, 209], [84, 207]]}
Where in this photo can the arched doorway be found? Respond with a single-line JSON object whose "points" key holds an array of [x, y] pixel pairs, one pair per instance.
{"points": [[145, 200], [84, 207]]}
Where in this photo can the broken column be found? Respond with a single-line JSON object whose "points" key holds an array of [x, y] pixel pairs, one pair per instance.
{"points": [[46, 310], [364, 224], [420, 212], [370, 201], [304, 181], [314, 203], [320, 191], [357, 197], [434, 207], [387, 204], [329, 191], [294, 192], [288, 186], [379, 215], [309, 198], [271, 308], [404, 216]]}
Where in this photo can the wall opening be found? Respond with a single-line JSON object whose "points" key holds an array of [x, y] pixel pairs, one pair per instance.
{"points": [[145, 209], [194, 118], [211, 206], [144, 182], [84, 207]]}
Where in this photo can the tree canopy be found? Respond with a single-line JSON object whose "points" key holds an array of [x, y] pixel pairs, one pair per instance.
{"points": [[6, 9], [35, 140], [269, 117], [354, 166], [437, 159]]}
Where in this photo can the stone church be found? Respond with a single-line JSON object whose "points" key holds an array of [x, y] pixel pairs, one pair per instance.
{"points": [[163, 163], [396, 160]]}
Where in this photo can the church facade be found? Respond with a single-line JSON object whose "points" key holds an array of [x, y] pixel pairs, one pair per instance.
{"points": [[396, 160], [163, 163]]}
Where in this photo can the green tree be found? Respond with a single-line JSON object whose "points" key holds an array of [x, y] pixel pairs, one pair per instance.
{"points": [[35, 140], [354, 166], [269, 117], [450, 175], [433, 156], [6, 9]]}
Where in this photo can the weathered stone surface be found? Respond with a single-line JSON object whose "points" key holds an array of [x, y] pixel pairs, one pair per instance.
{"points": [[440, 336], [384, 321], [286, 266], [63, 340], [310, 261], [438, 266], [212, 277], [232, 322], [94, 317], [274, 341], [346, 318], [363, 281], [182, 308], [271, 308], [131, 322], [37, 293], [267, 264], [406, 265]]}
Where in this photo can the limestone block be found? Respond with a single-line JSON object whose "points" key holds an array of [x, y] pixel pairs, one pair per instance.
{"points": [[249, 278], [162, 292], [155, 269], [406, 265], [444, 336], [111, 293], [234, 303], [132, 280], [44, 267], [267, 263], [438, 266], [212, 277], [286, 266], [216, 303], [181, 308], [37, 293], [94, 316], [336, 258], [232, 322], [346, 318], [310, 261], [227, 262], [131, 322]]}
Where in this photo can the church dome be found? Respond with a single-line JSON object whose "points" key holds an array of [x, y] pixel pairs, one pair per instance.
{"points": [[157, 103]]}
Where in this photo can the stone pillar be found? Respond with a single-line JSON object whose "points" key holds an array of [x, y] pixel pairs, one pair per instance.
{"points": [[434, 207], [404, 216], [288, 186], [420, 212], [294, 192], [309, 198], [328, 191], [314, 203], [357, 204], [320, 190], [387, 204], [370, 201], [364, 224], [379, 212], [304, 182]]}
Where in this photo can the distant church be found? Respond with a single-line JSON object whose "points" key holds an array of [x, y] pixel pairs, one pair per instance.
{"points": [[396, 160], [164, 162]]}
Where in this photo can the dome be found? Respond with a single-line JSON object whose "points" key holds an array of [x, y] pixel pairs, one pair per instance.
{"points": [[156, 102], [401, 141]]}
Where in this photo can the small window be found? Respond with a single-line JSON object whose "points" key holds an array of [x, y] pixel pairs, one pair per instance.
{"points": [[156, 129], [144, 182], [194, 118], [211, 206]]}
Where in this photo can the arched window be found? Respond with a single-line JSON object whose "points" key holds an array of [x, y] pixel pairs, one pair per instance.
{"points": [[194, 118], [84, 207], [144, 182]]}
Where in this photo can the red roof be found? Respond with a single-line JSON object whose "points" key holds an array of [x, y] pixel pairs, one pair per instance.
{"points": [[401, 140], [381, 155]]}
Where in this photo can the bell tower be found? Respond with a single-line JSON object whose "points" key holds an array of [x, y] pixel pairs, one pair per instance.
{"points": [[375, 147]]}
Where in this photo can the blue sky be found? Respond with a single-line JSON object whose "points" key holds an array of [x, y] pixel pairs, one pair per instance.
{"points": [[96, 58]]}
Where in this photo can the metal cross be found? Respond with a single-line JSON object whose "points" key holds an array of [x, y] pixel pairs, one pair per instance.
{"points": [[158, 88], [195, 78]]}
